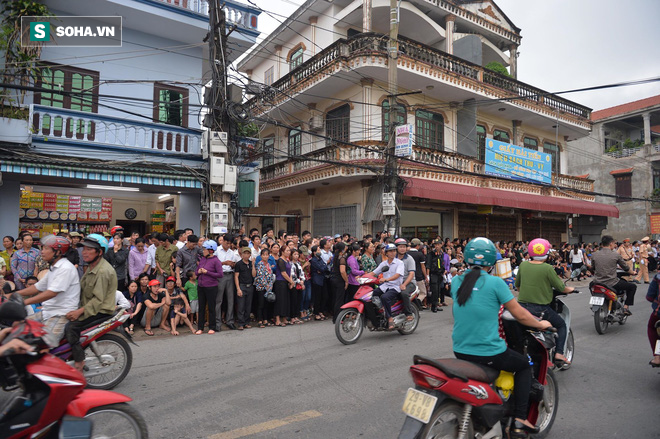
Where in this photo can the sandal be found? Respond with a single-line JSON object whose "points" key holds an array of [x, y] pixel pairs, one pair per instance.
{"points": [[318, 318], [198, 332], [261, 325], [211, 331], [248, 327], [654, 364], [149, 332]]}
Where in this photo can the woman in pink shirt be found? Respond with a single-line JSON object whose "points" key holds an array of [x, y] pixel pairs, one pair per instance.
{"points": [[353, 264]]}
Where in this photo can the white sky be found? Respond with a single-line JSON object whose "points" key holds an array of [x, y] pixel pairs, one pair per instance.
{"points": [[569, 44]]}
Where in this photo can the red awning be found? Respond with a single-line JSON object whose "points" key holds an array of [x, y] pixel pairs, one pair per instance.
{"points": [[460, 193]]}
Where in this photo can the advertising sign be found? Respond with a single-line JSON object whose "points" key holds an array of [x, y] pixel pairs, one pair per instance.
{"points": [[655, 224], [404, 140], [517, 163]]}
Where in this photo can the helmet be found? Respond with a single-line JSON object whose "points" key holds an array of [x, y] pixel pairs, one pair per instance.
{"points": [[95, 241], [57, 243], [210, 245], [538, 249], [400, 241], [154, 283], [389, 247], [480, 251], [116, 229]]}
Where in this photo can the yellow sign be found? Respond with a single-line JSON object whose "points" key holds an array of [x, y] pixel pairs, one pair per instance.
{"points": [[484, 210]]}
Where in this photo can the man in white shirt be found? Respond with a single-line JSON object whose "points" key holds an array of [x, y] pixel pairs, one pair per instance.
{"points": [[150, 266], [226, 286], [58, 291], [181, 238]]}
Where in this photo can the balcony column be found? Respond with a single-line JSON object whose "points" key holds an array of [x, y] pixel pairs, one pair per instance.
{"points": [[278, 56], [313, 22], [367, 84], [310, 205], [515, 125], [449, 34], [276, 211], [601, 136], [452, 144], [647, 128], [513, 61], [366, 15]]}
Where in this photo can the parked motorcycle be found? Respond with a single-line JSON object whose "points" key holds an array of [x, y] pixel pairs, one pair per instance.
{"points": [[351, 321], [607, 305], [52, 392], [458, 399]]}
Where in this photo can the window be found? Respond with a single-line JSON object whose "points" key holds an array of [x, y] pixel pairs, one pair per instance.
{"points": [[623, 187], [553, 150], [171, 105], [400, 118], [481, 142], [268, 76], [296, 58], [295, 143], [269, 151], [501, 135], [81, 86], [531, 143], [656, 179], [429, 130], [337, 125]]}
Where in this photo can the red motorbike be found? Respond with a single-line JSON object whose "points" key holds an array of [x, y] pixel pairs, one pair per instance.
{"points": [[52, 398], [458, 399], [367, 310]]}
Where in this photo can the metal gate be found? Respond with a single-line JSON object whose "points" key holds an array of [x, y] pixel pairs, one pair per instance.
{"points": [[330, 221]]}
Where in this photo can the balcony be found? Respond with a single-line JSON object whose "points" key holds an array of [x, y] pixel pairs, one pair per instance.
{"points": [[320, 166], [49, 124], [235, 13], [461, 79]]}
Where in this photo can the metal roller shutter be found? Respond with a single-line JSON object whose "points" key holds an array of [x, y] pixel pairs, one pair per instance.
{"points": [[502, 228], [328, 222], [471, 225]]}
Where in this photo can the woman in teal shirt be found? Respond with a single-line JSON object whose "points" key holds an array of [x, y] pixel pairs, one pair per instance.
{"points": [[477, 300]]}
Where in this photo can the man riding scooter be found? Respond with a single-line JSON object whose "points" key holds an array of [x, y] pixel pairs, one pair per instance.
{"points": [[604, 263], [390, 286], [408, 286]]}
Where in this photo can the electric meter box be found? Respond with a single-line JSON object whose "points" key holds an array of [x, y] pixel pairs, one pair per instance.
{"points": [[231, 174], [216, 207], [217, 171]]}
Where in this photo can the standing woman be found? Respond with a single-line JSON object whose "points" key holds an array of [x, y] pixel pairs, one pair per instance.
{"points": [[355, 272], [298, 278], [282, 287], [209, 271], [319, 269], [23, 261], [653, 328], [263, 282], [117, 256], [339, 279], [137, 259], [577, 258], [6, 254]]}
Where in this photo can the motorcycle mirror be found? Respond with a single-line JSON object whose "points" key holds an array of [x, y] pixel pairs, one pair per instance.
{"points": [[12, 311], [17, 298], [385, 268]]}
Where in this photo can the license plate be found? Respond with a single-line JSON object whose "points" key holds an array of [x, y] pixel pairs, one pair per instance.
{"points": [[596, 300], [657, 347], [419, 405]]}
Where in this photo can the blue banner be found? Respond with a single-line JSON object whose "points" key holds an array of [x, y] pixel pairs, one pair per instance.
{"points": [[516, 162]]}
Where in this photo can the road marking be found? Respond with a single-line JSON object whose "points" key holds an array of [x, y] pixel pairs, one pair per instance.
{"points": [[265, 426]]}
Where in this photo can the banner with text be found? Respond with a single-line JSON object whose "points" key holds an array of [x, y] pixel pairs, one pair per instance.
{"points": [[518, 163]]}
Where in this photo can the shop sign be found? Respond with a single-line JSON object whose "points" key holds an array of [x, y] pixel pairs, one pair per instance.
{"points": [[655, 223], [404, 140], [484, 210], [517, 163], [47, 206]]}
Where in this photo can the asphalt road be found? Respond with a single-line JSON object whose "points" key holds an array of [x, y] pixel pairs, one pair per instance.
{"points": [[299, 381]]}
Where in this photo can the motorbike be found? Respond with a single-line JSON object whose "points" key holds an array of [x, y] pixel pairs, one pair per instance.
{"points": [[607, 305], [52, 396], [351, 321], [569, 348], [108, 356], [458, 399]]}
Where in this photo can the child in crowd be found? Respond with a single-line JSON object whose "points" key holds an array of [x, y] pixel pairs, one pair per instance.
{"points": [[175, 294], [178, 316], [191, 289]]}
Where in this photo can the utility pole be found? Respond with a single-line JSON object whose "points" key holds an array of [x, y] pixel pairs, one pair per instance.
{"points": [[391, 177]]}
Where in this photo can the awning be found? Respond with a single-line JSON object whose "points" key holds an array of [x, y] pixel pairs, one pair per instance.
{"points": [[460, 193]]}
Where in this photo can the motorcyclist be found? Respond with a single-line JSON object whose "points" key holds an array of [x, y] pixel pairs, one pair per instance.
{"points": [[98, 287], [604, 263], [58, 291], [409, 285], [535, 281], [477, 301], [390, 284]]}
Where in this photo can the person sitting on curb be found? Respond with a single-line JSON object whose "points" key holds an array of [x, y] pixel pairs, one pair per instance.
{"points": [[157, 304]]}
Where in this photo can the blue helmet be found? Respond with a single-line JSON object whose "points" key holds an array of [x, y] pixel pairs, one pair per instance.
{"points": [[96, 241], [210, 245]]}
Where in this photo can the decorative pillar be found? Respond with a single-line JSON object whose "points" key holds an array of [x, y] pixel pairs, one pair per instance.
{"points": [[513, 61], [310, 206], [455, 225], [515, 125], [367, 84], [278, 56], [366, 15], [647, 128], [276, 211], [449, 33], [313, 22], [452, 146]]}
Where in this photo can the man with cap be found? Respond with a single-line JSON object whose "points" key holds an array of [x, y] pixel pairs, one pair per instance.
{"points": [[435, 266], [390, 284], [336, 238], [627, 253], [408, 285], [644, 250], [226, 285], [420, 267], [244, 273]]}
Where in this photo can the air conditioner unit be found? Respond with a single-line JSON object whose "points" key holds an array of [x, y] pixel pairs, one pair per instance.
{"points": [[231, 174], [217, 171], [316, 123], [219, 207]]}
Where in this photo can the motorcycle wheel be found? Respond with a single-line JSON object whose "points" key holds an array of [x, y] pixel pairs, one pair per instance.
{"points": [[548, 407], [600, 319], [570, 350], [117, 348], [348, 326], [117, 421], [409, 327], [445, 422]]}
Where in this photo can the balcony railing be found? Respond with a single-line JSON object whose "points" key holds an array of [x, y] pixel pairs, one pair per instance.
{"points": [[372, 44], [235, 13], [96, 129]]}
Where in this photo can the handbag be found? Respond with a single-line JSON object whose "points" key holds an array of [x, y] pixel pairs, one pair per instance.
{"points": [[269, 296]]}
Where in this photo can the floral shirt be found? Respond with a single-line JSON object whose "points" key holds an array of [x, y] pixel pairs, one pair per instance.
{"points": [[23, 263], [264, 279], [367, 263]]}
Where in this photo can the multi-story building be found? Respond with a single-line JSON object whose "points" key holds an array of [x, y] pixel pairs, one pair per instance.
{"points": [[124, 118], [622, 156], [323, 75]]}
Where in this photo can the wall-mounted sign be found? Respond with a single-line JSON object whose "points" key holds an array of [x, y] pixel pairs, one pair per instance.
{"points": [[518, 163]]}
